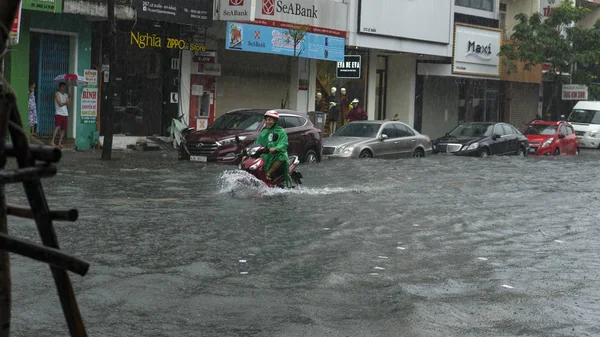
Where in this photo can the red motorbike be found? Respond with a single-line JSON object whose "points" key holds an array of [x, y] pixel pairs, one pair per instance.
{"points": [[254, 164]]}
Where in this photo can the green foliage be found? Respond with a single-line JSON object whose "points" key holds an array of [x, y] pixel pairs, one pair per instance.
{"points": [[557, 41]]}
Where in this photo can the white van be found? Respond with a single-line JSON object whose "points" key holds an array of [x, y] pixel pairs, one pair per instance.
{"points": [[585, 119]]}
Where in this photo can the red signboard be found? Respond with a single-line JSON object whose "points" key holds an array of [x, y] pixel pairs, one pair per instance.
{"points": [[15, 28]]}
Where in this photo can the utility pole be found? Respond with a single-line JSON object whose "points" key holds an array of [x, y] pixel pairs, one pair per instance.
{"points": [[107, 115]]}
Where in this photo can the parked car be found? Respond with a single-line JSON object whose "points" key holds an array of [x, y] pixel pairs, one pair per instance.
{"points": [[482, 139], [547, 137], [585, 119], [379, 139], [218, 142]]}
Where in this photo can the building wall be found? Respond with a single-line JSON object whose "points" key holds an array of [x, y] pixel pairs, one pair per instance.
{"points": [[440, 105], [591, 18], [80, 52], [514, 7], [523, 103], [401, 88]]}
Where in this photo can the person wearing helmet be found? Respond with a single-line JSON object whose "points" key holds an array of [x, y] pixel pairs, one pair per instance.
{"points": [[273, 137]]}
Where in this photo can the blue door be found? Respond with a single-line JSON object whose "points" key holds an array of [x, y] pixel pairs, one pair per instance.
{"points": [[53, 61]]}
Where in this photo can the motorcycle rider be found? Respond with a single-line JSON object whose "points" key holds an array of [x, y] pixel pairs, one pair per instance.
{"points": [[274, 138]]}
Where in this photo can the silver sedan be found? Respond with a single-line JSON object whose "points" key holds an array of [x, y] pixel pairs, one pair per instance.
{"points": [[380, 139]]}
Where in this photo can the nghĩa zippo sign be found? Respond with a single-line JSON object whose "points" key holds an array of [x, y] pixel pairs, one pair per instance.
{"points": [[187, 12]]}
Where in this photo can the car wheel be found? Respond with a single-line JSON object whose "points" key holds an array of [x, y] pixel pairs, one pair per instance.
{"points": [[557, 152], [365, 154], [521, 151], [419, 153], [484, 152], [311, 157]]}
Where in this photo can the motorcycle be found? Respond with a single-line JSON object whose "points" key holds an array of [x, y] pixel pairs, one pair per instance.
{"points": [[178, 130], [254, 164]]}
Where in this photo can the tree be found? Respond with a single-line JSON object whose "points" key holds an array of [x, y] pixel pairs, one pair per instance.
{"points": [[557, 41], [294, 36]]}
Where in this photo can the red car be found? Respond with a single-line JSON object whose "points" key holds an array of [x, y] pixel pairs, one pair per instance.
{"points": [[551, 138]]}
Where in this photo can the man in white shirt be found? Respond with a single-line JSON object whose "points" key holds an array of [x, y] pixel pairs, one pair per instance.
{"points": [[61, 102]]}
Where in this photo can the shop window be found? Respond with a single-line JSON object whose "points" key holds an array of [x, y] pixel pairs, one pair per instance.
{"points": [[484, 5]]}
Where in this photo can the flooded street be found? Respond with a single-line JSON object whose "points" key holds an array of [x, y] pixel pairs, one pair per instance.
{"points": [[440, 246]]}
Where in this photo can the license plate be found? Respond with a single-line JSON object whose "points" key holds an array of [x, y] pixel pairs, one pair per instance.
{"points": [[198, 158], [532, 149]]}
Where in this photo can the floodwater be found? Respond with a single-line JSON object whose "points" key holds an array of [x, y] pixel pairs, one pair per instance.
{"points": [[440, 246]]}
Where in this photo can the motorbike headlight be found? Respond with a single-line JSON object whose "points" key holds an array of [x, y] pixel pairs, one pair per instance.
{"points": [[548, 142], [229, 141], [473, 146], [251, 151], [254, 166]]}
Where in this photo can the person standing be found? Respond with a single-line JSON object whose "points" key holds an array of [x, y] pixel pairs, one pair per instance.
{"points": [[357, 113], [32, 108], [61, 102]]}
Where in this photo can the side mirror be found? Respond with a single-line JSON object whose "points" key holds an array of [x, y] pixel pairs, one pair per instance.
{"points": [[237, 139], [496, 137], [383, 137], [561, 135]]}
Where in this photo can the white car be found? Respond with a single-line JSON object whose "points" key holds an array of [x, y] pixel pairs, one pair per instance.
{"points": [[585, 119]]}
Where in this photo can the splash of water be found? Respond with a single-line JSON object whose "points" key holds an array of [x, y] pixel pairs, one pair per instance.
{"points": [[241, 183]]}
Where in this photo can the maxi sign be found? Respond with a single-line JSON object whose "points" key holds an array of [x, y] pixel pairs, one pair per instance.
{"points": [[476, 51], [320, 16], [272, 40]]}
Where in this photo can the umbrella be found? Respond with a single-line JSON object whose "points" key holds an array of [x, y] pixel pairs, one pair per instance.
{"points": [[71, 79]]}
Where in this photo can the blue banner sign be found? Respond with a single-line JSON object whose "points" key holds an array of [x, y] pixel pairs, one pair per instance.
{"points": [[272, 40]]}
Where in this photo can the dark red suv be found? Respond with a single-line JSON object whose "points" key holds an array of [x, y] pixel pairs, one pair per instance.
{"points": [[218, 142]]}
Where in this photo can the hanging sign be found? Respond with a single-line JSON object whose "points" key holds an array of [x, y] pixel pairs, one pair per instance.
{"points": [[54, 6], [185, 12], [574, 92], [91, 75], [350, 67], [89, 105], [15, 28]]}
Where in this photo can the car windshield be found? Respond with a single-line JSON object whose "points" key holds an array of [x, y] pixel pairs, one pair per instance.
{"points": [[585, 116], [365, 130], [472, 130], [237, 121], [541, 129]]}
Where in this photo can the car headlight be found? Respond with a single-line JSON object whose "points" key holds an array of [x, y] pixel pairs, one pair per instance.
{"points": [[348, 150], [593, 133], [548, 142], [473, 146], [229, 141]]}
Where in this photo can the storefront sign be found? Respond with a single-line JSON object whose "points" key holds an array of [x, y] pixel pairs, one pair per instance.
{"points": [[147, 40], [237, 10], [54, 6], [187, 12], [205, 57], [91, 75], [208, 69], [270, 40], [574, 92], [16, 27], [350, 67], [89, 105], [320, 16], [405, 19], [476, 51]]}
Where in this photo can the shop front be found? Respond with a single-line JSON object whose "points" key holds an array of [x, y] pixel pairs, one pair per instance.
{"points": [[468, 89], [51, 43], [263, 59]]}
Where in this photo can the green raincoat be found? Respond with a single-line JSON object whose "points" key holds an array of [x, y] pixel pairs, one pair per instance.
{"points": [[266, 139]]}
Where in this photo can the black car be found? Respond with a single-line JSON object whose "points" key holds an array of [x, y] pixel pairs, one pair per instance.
{"points": [[482, 139]]}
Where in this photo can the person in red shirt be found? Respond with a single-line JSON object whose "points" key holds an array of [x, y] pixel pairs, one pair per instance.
{"points": [[357, 113]]}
